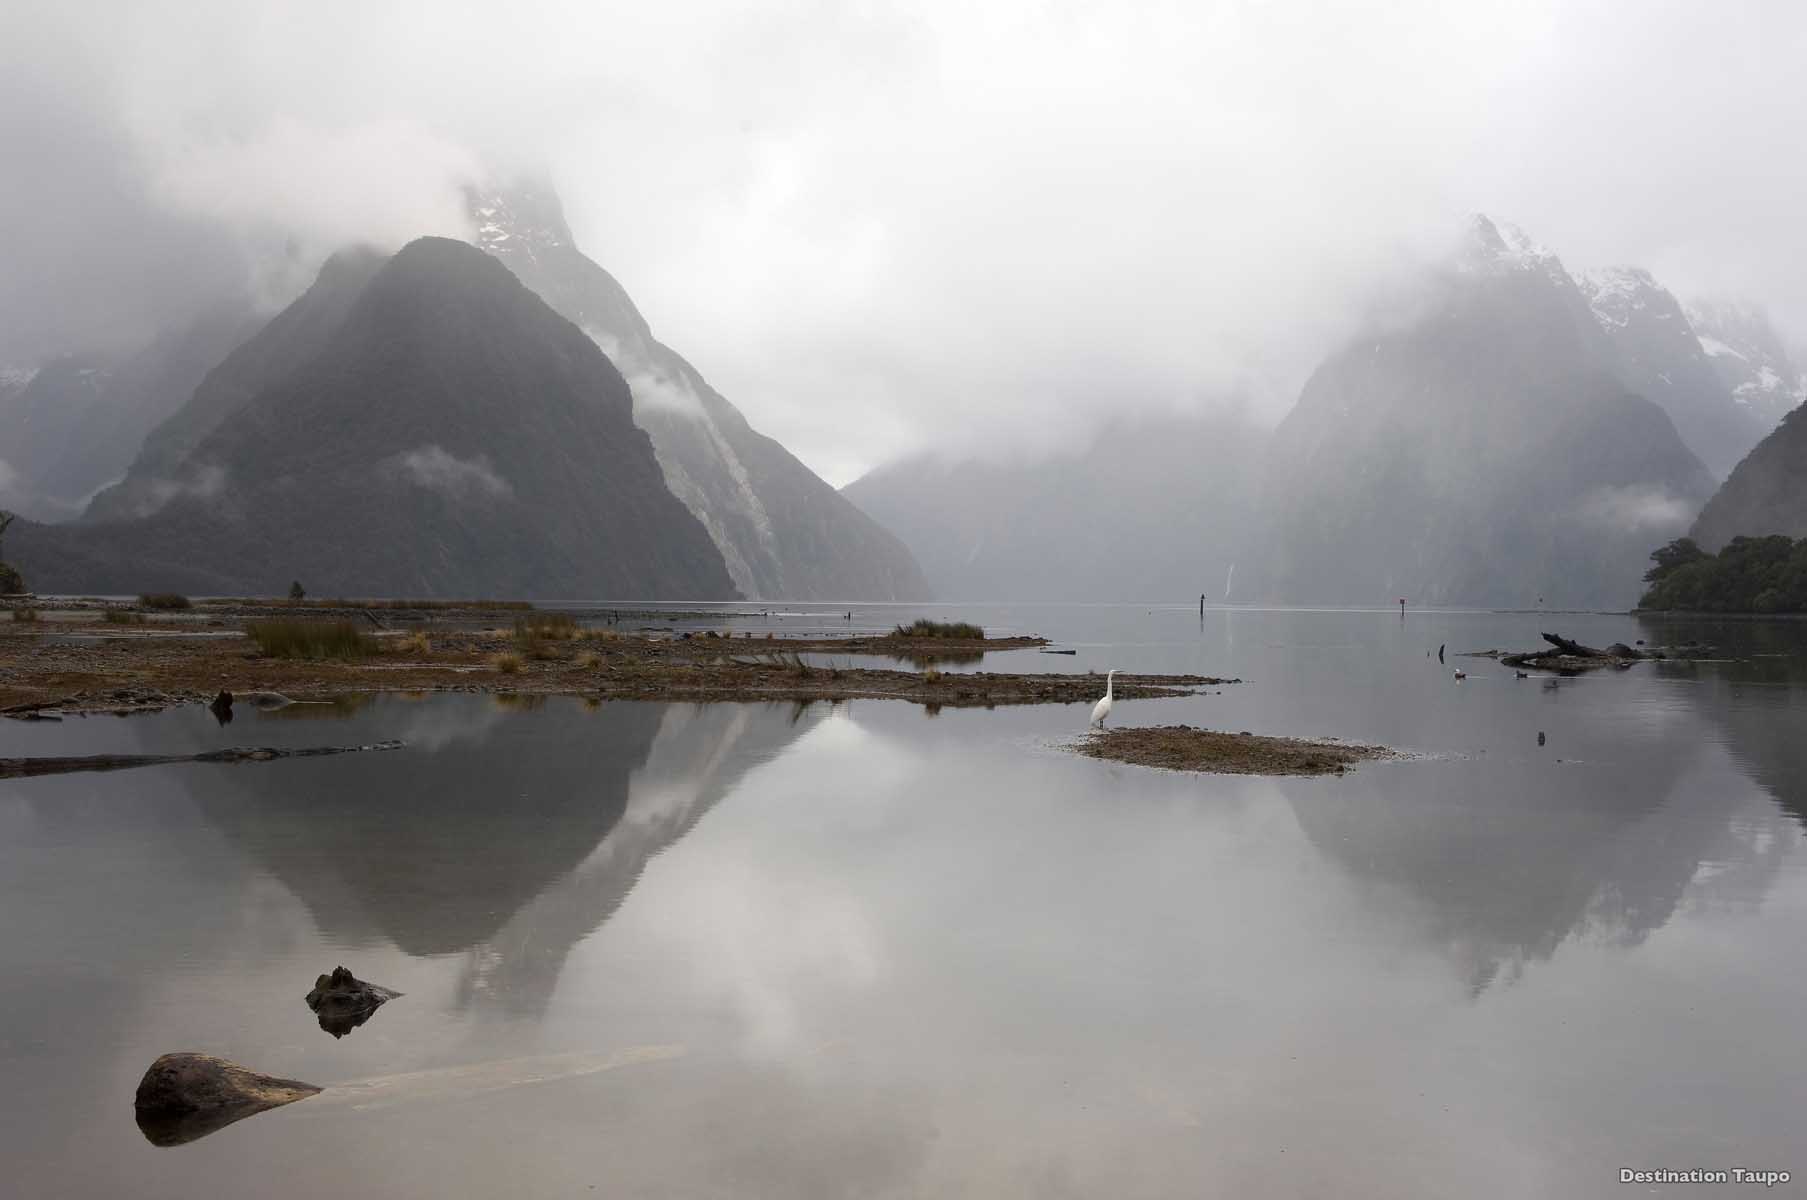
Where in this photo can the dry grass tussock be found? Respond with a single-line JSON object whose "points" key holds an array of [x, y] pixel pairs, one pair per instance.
{"points": [[311, 639]]}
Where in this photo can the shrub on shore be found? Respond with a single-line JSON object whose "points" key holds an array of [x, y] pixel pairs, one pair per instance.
{"points": [[311, 639], [168, 601], [1750, 575], [922, 627], [27, 615], [509, 663]]}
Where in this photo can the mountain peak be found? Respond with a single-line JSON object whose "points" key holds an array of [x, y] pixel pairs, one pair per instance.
{"points": [[1617, 293], [518, 216], [1491, 247]]}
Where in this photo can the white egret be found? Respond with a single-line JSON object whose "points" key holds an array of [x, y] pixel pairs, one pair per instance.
{"points": [[1102, 709]]}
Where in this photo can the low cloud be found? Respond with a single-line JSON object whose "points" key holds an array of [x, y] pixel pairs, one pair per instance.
{"points": [[202, 483], [1637, 509], [439, 470]]}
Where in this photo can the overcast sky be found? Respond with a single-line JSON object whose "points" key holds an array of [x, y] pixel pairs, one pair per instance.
{"points": [[877, 227]]}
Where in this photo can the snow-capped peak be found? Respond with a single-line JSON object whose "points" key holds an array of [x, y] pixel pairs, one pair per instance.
{"points": [[521, 218], [1615, 293], [1500, 246]]}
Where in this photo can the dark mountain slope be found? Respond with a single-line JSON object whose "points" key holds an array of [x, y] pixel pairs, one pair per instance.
{"points": [[1766, 493], [293, 338], [453, 436]]}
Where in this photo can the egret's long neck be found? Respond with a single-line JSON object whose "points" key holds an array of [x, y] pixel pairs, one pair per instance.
{"points": [[1110, 683]]}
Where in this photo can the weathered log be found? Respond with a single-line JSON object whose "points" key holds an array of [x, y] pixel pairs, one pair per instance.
{"points": [[1576, 649], [25, 768], [187, 1096]]}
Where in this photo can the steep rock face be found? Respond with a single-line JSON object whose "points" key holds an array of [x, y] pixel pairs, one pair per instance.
{"points": [[1660, 357], [76, 424], [782, 530], [1750, 359], [162, 470], [1766, 493], [453, 435], [1487, 453], [1150, 510]]}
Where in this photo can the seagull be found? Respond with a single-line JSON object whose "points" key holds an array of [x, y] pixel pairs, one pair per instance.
{"points": [[1102, 709], [1461, 674], [1520, 675]]}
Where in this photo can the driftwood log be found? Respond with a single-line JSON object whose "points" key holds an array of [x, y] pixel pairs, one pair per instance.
{"points": [[24, 768]]}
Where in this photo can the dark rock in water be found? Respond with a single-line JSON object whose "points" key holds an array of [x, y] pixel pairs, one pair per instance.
{"points": [[186, 1096], [1540, 737], [343, 1002], [221, 707]]}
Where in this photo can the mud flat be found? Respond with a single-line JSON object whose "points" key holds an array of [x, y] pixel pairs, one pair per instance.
{"points": [[50, 670], [1185, 748]]}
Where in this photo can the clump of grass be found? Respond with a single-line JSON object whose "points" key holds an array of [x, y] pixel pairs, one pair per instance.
{"points": [[551, 627], [120, 616], [599, 634], [311, 639], [169, 601], [415, 643], [922, 627], [508, 663], [27, 615], [931, 676], [589, 660]]}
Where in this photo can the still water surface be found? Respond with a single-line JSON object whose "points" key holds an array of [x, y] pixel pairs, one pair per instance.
{"points": [[894, 954]]}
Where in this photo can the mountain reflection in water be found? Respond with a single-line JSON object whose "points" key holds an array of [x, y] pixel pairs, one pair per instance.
{"points": [[939, 957]]}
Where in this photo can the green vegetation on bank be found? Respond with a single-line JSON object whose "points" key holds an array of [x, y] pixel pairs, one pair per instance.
{"points": [[311, 639], [925, 628], [1751, 575]]}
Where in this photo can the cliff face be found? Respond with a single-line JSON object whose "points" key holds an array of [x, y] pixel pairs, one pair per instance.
{"points": [[1488, 453], [1660, 356], [1766, 493], [451, 434], [782, 530]]}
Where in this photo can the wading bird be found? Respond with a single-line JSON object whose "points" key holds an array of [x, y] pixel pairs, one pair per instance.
{"points": [[1102, 709]]}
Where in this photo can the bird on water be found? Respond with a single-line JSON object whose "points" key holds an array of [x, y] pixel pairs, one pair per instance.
{"points": [[1102, 709]]}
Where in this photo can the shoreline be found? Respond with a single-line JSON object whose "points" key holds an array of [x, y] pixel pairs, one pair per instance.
{"points": [[50, 668]]}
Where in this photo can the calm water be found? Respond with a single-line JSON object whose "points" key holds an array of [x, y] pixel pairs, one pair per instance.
{"points": [[889, 954]]}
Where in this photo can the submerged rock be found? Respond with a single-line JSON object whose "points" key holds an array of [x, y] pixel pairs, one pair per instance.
{"points": [[343, 1002], [185, 1096]]}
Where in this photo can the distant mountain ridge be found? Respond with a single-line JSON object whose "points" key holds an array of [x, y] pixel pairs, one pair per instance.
{"points": [[1496, 450], [1662, 357], [1148, 509], [73, 425], [450, 435], [783, 531], [1490, 453]]}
